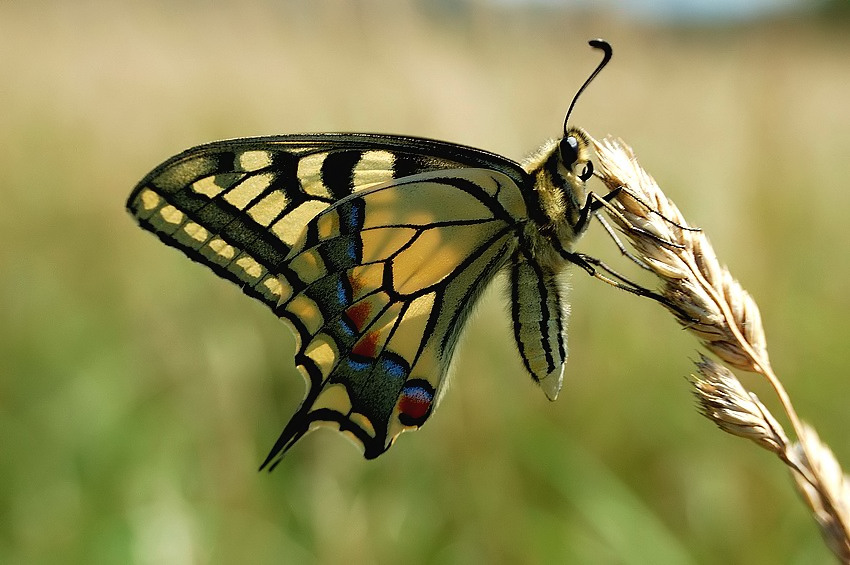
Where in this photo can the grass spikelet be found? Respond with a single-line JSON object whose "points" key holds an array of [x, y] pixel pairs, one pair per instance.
{"points": [[707, 300], [724, 400]]}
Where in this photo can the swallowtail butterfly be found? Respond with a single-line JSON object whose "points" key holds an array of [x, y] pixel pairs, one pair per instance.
{"points": [[374, 249]]}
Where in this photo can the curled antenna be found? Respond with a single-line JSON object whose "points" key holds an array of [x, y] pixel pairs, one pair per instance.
{"points": [[607, 52]]}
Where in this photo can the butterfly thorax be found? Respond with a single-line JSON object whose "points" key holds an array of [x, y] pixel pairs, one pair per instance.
{"points": [[559, 170]]}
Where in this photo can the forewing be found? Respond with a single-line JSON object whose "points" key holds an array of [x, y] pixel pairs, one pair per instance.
{"points": [[381, 285], [539, 317], [239, 206]]}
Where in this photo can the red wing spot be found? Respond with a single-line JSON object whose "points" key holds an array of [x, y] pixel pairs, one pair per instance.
{"points": [[414, 403], [359, 313], [367, 346]]}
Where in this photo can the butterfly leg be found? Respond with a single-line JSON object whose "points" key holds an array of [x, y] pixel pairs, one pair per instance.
{"points": [[592, 204], [625, 252], [593, 266]]}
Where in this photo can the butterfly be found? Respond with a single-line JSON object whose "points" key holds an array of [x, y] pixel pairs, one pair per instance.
{"points": [[374, 250]]}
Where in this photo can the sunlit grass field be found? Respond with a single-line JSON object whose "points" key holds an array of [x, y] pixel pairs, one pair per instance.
{"points": [[139, 393]]}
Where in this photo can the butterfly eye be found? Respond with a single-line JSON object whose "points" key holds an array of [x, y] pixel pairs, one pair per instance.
{"points": [[569, 150], [587, 172]]}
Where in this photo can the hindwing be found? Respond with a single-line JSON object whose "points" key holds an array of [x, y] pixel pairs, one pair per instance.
{"points": [[382, 283]]}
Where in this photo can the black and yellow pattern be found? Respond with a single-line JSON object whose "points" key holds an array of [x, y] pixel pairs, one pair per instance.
{"points": [[374, 249], [218, 201]]}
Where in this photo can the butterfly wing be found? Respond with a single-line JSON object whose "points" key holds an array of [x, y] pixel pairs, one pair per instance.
{"points": [[238, 206], [412, 268], [381, 285], [539, 318]]}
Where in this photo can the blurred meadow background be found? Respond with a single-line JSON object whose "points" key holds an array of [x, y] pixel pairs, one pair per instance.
{"points": [[139, 393]]}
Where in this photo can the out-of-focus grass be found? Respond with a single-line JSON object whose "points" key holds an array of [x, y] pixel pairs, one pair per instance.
{"points": [[138, 393]]}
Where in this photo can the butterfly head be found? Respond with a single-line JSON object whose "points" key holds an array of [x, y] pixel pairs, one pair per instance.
{"points": [[574, 152], [560, 171], [575, 166]]}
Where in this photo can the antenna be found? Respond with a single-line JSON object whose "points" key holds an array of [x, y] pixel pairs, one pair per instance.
{"points": [[607, 52]]}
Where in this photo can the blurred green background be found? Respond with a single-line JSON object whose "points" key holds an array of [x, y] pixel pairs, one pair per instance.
{"points": [[139, 393]]}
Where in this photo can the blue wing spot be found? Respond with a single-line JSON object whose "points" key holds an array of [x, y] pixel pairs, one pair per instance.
{"points": [[341, 253], [342, 295], [358, 366], [351, 216], [331, 293], [353, 250], [394, 366], [346, 328]]}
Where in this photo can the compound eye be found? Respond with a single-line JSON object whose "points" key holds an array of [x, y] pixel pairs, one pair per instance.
{"points": [[569, 150], [587, 172]]}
